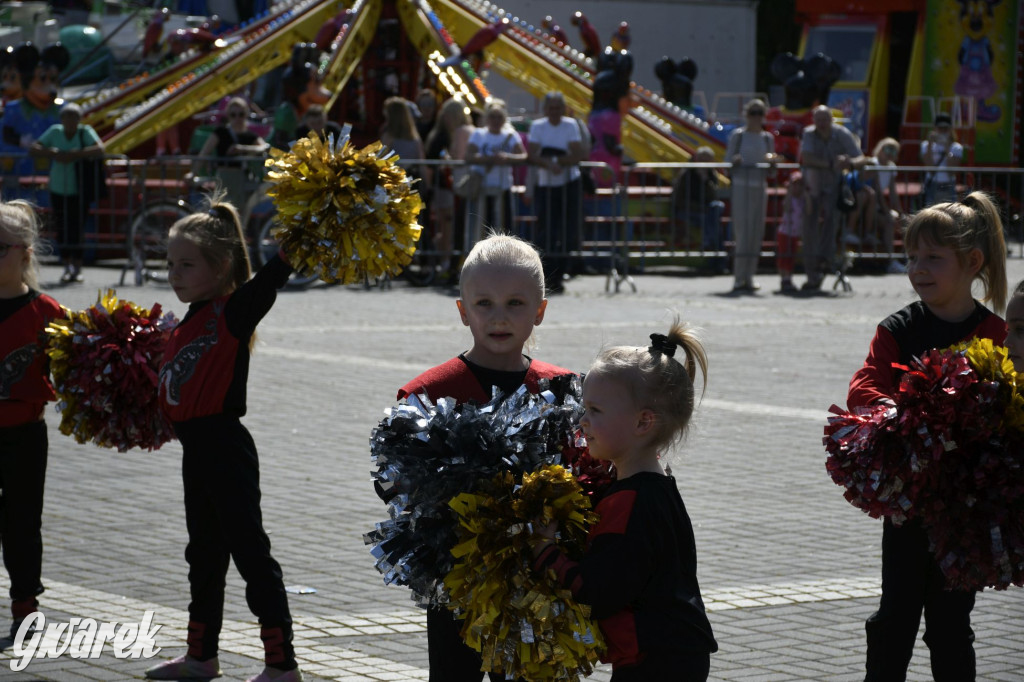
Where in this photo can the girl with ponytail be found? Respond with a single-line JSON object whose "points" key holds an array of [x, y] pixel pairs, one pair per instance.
{"points": [[202, 388], [949, 246], [639, 574]]}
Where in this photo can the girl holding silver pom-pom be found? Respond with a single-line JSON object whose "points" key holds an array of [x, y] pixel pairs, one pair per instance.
{"points": [[501, 301]]}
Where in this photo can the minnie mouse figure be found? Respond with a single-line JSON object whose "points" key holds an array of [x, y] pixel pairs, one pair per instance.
{"points": [[37, 108], [976, 55]]}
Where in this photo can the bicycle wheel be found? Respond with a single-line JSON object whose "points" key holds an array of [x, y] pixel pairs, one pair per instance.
{"points": [[266, 248], [149, 229]]}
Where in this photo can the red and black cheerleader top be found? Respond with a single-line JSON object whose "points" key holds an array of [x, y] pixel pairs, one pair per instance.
{"points": [[460, 379], [906, 334], [639, 573], [205, 367], [24, 375]]}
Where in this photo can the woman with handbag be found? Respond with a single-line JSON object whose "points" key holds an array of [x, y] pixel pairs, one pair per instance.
{"points": [[556, 148], [69, 145], [492, 151]]}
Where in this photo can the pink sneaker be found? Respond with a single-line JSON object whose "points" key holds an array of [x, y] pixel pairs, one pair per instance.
{"points": [[185, 667], [270, 674]]}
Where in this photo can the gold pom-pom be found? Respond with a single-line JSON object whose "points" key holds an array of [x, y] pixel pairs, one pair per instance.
{"points": [[344, 215], [993, 364], [524, 624]]}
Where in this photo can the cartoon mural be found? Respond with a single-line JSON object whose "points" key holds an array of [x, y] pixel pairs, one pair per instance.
{"points": [[976, 55], [972, 48], [611, 92], [38, 107]]}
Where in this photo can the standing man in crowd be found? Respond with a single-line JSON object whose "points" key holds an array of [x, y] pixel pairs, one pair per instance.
{"points": [[826, 150]]}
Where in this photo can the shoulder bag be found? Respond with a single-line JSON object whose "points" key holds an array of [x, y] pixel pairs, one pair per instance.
{"points": [[846, 200]]}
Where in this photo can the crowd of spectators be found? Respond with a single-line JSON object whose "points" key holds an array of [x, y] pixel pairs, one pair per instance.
{"points": [[428, 133]]}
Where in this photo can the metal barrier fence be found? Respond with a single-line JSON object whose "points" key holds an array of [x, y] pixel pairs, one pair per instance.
{"points": [[673, 216], [649, 214]]}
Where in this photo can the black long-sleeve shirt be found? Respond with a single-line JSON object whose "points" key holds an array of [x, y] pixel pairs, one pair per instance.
{"points": [[908, 333], [639, 573]]}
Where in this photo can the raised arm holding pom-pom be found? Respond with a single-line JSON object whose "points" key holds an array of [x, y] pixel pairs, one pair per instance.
{"points": [[24, 391]]}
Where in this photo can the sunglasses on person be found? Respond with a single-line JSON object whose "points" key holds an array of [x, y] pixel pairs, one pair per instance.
{"points": [[236, 114], [4, 248]]}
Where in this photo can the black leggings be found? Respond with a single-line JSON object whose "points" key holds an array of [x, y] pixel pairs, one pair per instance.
{"points": [[222, 512], [68, 219], [23, 451], [451, 659], [912, 582]]}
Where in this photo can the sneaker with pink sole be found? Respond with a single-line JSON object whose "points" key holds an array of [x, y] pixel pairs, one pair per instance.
{"points": [[185, 668]]}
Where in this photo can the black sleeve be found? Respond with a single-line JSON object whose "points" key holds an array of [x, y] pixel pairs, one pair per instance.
{"points": [[255, 298], [609, 583]]}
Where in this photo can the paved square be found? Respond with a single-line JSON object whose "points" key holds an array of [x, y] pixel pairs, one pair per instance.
{"points": [[789, 569]]}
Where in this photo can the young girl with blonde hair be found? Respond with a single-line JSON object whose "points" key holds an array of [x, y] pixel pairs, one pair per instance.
{"points": [[502, 301], [639, 574], [949, 246], [203, 391], [24, 391]]}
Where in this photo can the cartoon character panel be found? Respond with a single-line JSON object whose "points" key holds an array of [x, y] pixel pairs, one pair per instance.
{"points": [[972, 48]]}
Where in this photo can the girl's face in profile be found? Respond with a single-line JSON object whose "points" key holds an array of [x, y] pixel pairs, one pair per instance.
{"points": [[609, 418], [1015, 331], [191, 276]]}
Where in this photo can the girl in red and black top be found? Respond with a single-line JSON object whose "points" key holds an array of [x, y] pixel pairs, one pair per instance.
{"points": [[639, 573], [501, 301], [949, 246], [202, 389], [24, 391]]}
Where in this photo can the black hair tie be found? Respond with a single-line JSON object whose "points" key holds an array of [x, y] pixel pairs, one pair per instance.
{"points": [[662, 344]]}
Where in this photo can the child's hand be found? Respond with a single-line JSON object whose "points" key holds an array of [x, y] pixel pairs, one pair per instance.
{"points": [[544, 536], [546, 531]]}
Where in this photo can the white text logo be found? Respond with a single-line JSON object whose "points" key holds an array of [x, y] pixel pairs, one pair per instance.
{"points": [[82, 638]]}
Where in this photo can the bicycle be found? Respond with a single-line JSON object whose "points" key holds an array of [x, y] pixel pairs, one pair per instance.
{"points": [[150, 226]]}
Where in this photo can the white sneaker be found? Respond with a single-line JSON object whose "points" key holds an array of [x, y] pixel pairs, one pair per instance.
{"points": [[185, 668], [277, 675], [896, 268]]}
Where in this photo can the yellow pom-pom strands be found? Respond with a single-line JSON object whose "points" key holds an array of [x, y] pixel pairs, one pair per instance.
{"points": [[343, 214], [524, 625], [993, 364]]}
